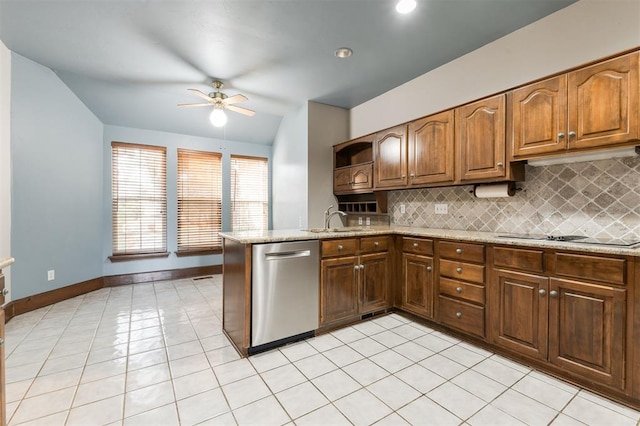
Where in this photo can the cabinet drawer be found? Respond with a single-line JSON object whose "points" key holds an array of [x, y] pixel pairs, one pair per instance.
{"points": [[417, 245], [462, 315], [342, 247], [604, 269], [462, 271], [460, 290], [462, 251], [373, 244], [512, 258]]}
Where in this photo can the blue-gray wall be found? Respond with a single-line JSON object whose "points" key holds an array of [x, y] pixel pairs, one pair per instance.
{"points": [[56, 202], [172, 141]]}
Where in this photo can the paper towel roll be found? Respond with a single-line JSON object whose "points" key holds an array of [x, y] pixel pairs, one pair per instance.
{"points": [[495, 190]]}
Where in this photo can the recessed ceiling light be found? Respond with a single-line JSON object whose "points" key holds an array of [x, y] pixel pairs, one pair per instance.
{"points": [[405, 6], [343, 52]]}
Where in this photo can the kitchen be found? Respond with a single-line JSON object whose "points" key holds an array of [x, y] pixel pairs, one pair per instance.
{"points": [[446, 93]]}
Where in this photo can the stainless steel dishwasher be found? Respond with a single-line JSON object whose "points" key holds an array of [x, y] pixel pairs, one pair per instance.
{"points": [[284, 292]]}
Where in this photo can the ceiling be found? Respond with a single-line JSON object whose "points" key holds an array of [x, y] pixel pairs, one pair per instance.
{"points": [[132, 61]]}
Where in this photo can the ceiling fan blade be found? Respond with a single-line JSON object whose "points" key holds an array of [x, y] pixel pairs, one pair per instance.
{"points": [[241, 110], [199, 93], [195, 105], [235, 99]]}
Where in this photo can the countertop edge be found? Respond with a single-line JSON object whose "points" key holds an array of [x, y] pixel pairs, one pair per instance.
{"points": [[7, 261], [449, 234]]}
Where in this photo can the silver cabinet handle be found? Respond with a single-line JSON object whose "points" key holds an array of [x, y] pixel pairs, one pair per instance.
{"points": [[340, 247], [5, 291], [458, 314], [361, 267], [500, 164], [560, 135], [412, 175], [1, 342], [415, 245], [542, 292], [459, 270], [459, 289], [429, 268], [356, 267], [553, 294], [404, 176], [376, 244], [459, 250], [572, 134]]}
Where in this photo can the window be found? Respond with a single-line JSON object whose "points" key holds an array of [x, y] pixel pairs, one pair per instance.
{"points": [[249, 193], [139, 199], [199, 201]]}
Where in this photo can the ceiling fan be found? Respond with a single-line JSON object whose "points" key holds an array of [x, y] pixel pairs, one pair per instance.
{"points": [[219, 101]]}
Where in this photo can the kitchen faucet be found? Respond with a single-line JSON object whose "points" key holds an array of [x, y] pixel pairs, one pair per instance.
{"points": [[328, 216]]}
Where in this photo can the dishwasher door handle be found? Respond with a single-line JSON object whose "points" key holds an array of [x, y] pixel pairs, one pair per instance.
{"points": [[287, 255]]}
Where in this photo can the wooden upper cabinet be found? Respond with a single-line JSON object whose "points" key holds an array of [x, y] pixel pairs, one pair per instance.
{"points": [[353, 166], [592, 107], [431, 149], [539, 114], [390, 153], [603, 103], [480, 132]]}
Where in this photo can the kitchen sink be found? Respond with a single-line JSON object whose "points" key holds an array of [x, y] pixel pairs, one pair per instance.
{"points": [[344, 229]]}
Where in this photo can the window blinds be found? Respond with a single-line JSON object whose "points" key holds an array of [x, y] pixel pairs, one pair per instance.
{"points": [[199, 200], [249, 193], [139, 200]]}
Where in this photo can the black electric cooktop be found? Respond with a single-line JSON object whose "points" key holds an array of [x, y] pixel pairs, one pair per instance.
{"points": [[580, 239]]}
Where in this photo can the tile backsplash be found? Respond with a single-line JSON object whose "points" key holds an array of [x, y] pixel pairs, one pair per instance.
{"points": [[597, 198]]}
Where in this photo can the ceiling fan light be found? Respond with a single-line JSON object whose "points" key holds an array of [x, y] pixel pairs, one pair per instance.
{"points": [[218, 118], [405, 6]]}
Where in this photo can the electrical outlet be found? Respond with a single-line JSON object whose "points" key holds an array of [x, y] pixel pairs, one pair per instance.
{"points": [[402, 209], [360, 221], [442, 209], [368, 221], [51, 275]]}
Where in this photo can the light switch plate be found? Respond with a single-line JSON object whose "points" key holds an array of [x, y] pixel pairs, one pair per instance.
{"points": [[442, 209]]}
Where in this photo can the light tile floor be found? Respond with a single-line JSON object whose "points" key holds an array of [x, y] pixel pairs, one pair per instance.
{"points": [[154, 354]]}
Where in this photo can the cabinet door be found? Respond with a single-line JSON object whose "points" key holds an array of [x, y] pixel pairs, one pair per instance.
{"points": [[587, 329], [481, 139], [362, 177], [375, 282], [603, 103], [342, 180], [338, 289], [417, 284], [519, 306], [391, 158], [539, 115], [431, 151]]}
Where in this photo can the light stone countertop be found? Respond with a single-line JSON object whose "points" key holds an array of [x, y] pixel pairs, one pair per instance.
{"points": [[7, 261], [274, 236]]}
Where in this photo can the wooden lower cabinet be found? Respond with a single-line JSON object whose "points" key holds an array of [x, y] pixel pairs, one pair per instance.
{"points": [[417, 284], [575, 325], [339, 289], [356, 283], [587, 330]]}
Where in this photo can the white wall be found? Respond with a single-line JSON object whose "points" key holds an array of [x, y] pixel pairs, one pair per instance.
{"points": [[56, 194], [289, 184], [583, 32], [328, 125], [5, 161]]}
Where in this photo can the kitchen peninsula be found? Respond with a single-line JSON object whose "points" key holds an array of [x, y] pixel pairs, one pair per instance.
{"points": [[567, 308]]}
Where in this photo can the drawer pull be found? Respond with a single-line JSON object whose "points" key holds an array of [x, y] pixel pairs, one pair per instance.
{"points": [[340, 247], [553, 294], [542, 292], [429, 268], [459, 250], [458, 314], [459, 289], [459, 270], [572, 134], [501, 164], [376, 244], [415, 245], [1, 342], [5, 291]]}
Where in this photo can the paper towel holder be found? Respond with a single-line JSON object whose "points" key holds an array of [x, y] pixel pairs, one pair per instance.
{"points": [[512, 188]]}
